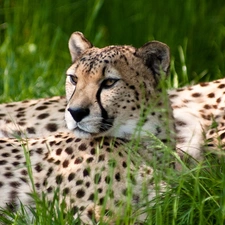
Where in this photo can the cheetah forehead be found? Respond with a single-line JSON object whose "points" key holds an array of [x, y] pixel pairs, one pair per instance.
{"points": [[95, 59]]}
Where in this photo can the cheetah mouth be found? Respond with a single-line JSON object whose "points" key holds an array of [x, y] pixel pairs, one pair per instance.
{"points": [[81, 130], [81, 133]]}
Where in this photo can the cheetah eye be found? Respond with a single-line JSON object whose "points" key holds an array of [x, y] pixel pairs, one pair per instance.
{"points": [[108, 83], [73, 79]]}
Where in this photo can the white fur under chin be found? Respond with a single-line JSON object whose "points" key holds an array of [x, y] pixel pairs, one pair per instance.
{"points": [[87, 129]]}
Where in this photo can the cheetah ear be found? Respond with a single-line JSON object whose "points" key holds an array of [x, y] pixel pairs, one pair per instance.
{"points": [[77, 45], [156, 56]]}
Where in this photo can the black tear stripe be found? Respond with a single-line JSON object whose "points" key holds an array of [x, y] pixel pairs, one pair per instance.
{"points": [[72, 94], [103, 70], [104, 113]]}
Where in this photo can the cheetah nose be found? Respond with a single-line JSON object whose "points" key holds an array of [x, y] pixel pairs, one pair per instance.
{"points": [[79, 113]]}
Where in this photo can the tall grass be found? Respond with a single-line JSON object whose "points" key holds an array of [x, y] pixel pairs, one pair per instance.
{"points": [[34, 57]]}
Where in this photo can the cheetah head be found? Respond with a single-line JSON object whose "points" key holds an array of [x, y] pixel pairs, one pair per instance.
{"points": [[106, 88]]}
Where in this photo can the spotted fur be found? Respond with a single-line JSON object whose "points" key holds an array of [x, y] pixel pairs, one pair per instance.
{"points": [[33, 118], [93, 175], [196, 109]]}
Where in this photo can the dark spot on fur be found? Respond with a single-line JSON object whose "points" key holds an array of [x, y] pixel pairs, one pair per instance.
{"points": [[43, 116], [51, 160], [207, 106], [16, 163], [90, 214], [211, 95], [79, 182], [222, 136], [51, 143], [75, 209], [69, 140], [117, 177], [218, 100], [57, 162], [93, 151], [38, 167], [204, 84], [180, 123], [65, 163], [5, 154], [71, 176], [39, 151], [50, 170], [14, 184], [66, 191], [69, 150], [82, 147], [49, 189], [89, 160], [196, 95], [51, 127], [24, 179], [3, 162], [58, 151], [37, 185], [80, 193], [91, 197], [41, 107], [87, 184], [21, 123], [77, 140], [78, 160], [58, 179], [101, 158], [221, 86], [8, 174], [24, 172], [86, 172], [101, 201]]}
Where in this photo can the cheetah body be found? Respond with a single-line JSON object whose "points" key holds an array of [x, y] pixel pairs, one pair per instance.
{"points": [[198, 112], [66, 163]]}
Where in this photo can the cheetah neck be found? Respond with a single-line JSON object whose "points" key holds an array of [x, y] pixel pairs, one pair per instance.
{"points": [[156, 124]]}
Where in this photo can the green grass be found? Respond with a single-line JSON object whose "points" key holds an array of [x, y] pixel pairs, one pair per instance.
{"points": [[34, 57]]}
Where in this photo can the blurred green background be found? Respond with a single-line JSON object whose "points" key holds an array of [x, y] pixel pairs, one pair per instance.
{"points": [[34, 36]]}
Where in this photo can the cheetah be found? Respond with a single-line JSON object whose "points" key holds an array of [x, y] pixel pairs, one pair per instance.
{"points": [[113, 95]]}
